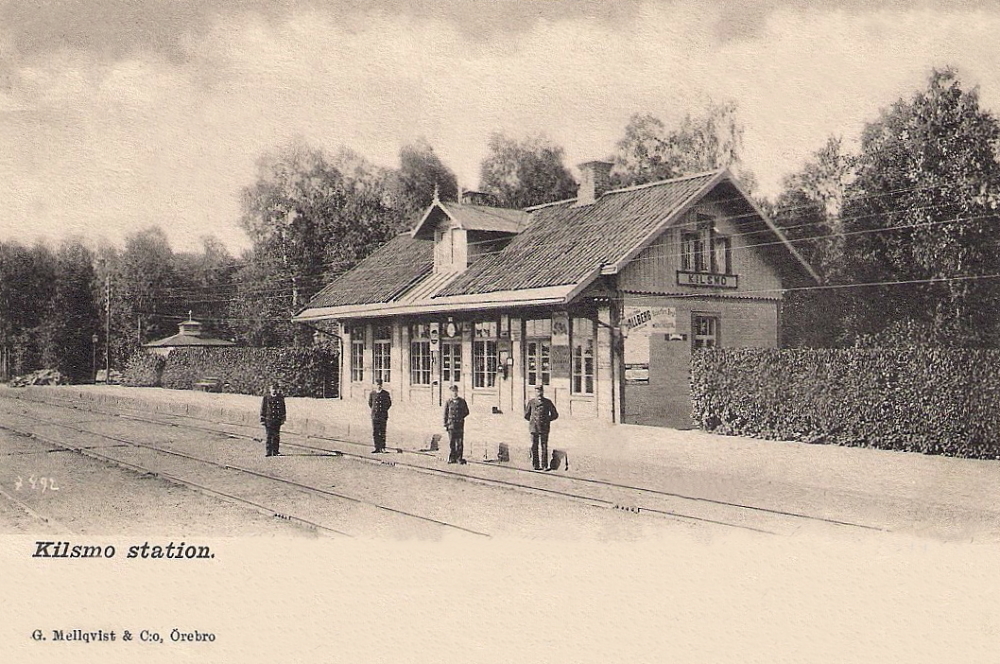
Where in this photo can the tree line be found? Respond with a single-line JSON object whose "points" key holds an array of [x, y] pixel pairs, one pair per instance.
{"points": [[902, 232]]}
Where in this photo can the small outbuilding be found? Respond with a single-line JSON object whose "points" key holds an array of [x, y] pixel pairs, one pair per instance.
{"points": [[188, 336]]}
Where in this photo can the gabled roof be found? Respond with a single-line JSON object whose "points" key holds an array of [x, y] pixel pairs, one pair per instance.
{"points": [[386, 272], [561, 249], [471, 218], [566, 243]]}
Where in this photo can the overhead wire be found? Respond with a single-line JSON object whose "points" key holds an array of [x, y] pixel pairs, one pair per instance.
{"points": [[321, 272]]}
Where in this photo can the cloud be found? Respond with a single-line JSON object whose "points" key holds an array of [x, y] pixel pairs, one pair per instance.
{"points": [[116, 29], [127, 114]]}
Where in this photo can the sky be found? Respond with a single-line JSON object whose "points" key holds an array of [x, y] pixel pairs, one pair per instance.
{"points": [[116, 115]]}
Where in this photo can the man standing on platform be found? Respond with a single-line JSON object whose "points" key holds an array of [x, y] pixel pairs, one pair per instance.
{"points": [[540, 412], [455, 412], [272, 416], [379, 402]]}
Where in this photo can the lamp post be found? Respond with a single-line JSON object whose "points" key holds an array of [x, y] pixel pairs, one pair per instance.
{"points": [[93, 357]]}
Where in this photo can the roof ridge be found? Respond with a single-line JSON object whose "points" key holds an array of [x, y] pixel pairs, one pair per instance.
{"points": [[634, 187], [532, 208], [646, 185], [491, 210]]}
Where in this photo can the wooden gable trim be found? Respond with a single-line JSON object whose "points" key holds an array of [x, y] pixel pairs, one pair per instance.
{"points": [[419, 231], [694, 199], [617, 266], [774, 229]]}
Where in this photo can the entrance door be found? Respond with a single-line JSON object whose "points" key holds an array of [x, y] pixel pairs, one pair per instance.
{"points": [[451, 366], [538, 362]]}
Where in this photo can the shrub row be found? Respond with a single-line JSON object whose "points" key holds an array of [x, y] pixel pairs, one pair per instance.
{"points": [[308, 372], [930, 400], [143, 369]]}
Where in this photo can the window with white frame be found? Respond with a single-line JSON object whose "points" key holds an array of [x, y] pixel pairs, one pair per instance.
{"points": [[705, 331], [706, 250], [420, 354], [484, 354], [451, 362], [582, 341], [358, 355], [538, 351], [381, 351], [692, 255], [722, 255]]}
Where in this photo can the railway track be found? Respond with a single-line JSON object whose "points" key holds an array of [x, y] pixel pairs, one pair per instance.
{"points": [[97, 452], [45, 522], [589, 491]]}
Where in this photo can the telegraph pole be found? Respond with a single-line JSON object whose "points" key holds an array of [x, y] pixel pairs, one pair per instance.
{"points": [[107, 329]]}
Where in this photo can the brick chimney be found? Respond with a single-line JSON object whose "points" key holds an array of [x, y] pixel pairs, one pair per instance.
{"points": [[594, 181]]}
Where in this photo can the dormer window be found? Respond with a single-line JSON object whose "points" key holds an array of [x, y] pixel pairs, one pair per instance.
{"points": [[462, 233], [449, 250]]}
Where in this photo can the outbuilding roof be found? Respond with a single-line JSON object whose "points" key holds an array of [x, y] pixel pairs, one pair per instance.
{"points": [[179, 340]]}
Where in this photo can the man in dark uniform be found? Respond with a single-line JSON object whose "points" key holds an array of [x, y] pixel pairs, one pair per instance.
{"points": [[380, 402], [540, 412], [455, 412], [272, 416]]}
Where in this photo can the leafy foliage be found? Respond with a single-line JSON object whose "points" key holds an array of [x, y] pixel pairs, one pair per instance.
{"points": [[27, 283], [930, 400], [205, 286], [310, 372], [71, 317], [522, 173], [421, 173], [144, 369], [141, 276], [809, 208], [808, 211], [923, 209], [310, 216], [650, 151]]}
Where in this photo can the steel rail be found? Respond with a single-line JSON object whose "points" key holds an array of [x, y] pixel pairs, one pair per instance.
{"points": [[89, 452], [589, 500], [262, 475]]}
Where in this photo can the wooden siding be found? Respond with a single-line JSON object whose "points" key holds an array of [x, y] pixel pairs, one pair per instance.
{"points": [[654, 270], [666, 400]]}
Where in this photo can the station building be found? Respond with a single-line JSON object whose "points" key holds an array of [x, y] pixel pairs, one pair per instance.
{"points": [[601, 298]]}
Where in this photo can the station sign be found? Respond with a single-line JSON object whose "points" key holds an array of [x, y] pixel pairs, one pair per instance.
{"points": [[707, 279]]}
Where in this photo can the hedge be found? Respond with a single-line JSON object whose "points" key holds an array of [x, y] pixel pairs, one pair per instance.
{"points": [[930, 400], [308, 372], [143, 369]]}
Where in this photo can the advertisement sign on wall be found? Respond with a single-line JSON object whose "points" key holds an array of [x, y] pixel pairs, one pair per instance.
{"points": [[560, 328], [638, 323]]}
